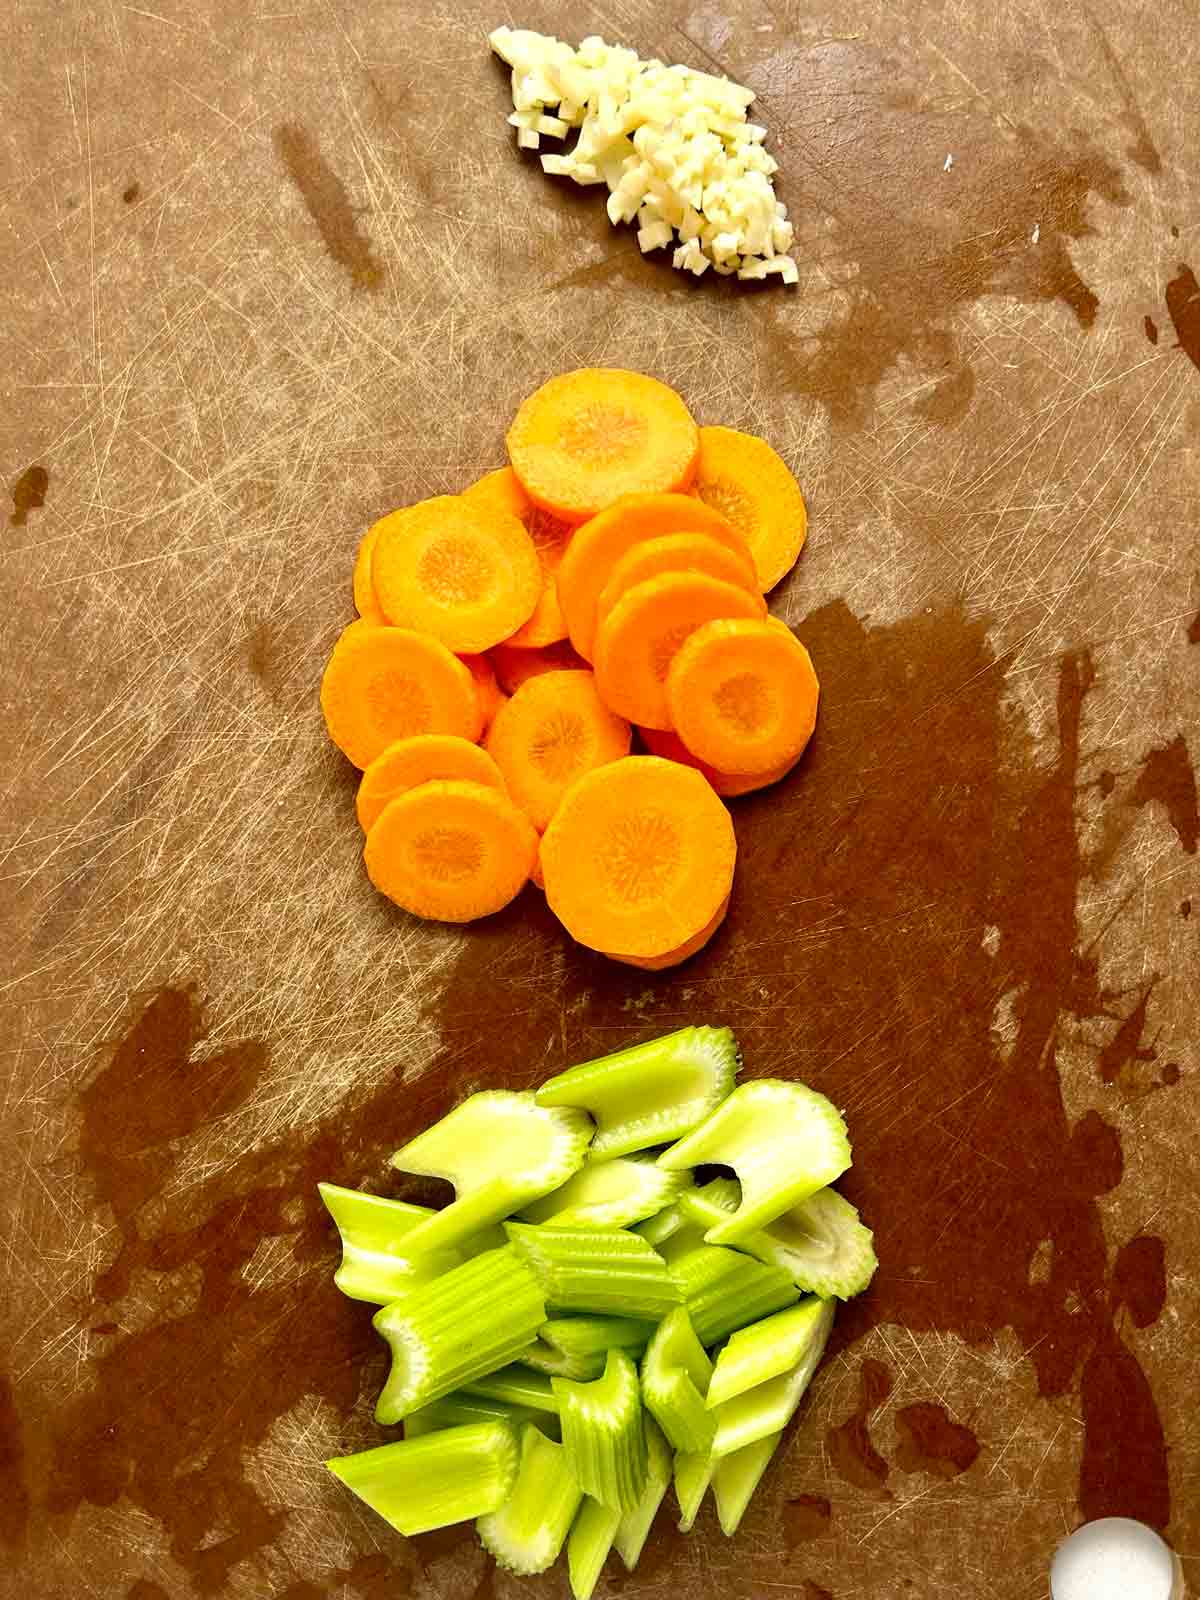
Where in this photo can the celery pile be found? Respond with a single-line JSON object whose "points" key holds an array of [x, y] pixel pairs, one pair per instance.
{"points": [[583, 1323]]}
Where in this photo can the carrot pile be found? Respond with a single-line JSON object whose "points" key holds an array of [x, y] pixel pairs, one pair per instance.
{"points": [[512, 640]]}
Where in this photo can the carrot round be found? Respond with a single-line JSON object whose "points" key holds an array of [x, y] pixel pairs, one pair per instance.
{"points": [[596, 548], [486, 687], [675, 552], [553, 730], [425, 758], [462, 570], [642, 632], [365, 602], [550, 535], [689, 947], [450, 851], [383, 684], [586, 437], [743, 478], [514, 665], [662, 742]]}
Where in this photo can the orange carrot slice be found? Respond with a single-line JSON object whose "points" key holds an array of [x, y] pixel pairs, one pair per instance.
{"points": [[586, 437], [365, 602], [688, 948], [513, 665], [665, 743], [642, 632], [550, 536], [486, 687], [425, 758], [675, 552], [743, 478]]}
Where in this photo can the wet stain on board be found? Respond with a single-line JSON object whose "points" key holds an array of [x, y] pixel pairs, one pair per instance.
{"points": [[14, 1498], [1183, 307], [851, 1451], [1140, 1279], [1168, 778], [328, 204], [805, 1517], [28, 494], [929, 1440]]}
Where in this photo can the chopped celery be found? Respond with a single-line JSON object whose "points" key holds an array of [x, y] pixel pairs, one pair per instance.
{"points": [[603, 1432], [764, 1351], [724, 1291], [820, 1242], [681, 1243], [516, 1386], [588, 1544], [735, 1478], [500, 1150], [526, 1533], [455, 1328], [635, 1525], [489, 1238], [655, 1230], [452, 1410], [374, 1264], [652, 1092], [609, 1194], [418, 1484], [607, 1271], [576, 1347], [769, 1406], [784, 1141], [693, 1474], [675, 1374]]}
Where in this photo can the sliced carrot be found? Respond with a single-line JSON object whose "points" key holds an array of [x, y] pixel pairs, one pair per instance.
{"points": [[535, 871], [596, 548], [425, 758], [450, 851], [689, 947], [638, 857], [675, 552], [727, 784], [642, 632], [462, 570], [743, 478], [550, 536], [553, 730], [384, 684], [486, 687], [514, 665], [743, 695], [365, 602], [586, 437]]}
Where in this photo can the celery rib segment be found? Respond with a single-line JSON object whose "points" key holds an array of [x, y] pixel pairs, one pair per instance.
{"points": [[675, 1378], [604, 1271], [577, 1347], [527, 1532], [735, 1478], [768, 1407], [515, 1385], [588, 1543], [634, 1528], [603, 1432], [376, 1265], [609, 1194], [693, 1474], [724, 1290], [430, 1482], [453, 1410]]}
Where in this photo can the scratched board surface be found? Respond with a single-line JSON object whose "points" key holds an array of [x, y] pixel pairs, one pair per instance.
{"points": [[272, 270]]}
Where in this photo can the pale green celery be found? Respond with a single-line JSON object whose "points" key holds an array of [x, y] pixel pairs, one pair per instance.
{"points": [[724, 1290], [452, 1410], [675, 1375], [688, 1238], [516, 1385], [820, 1243], [456, 1328], [635, 1525], [655, 1230], [770, 1406], [576, 1347], [374, 1265], [650, 1093], [783, 1140], [526, 1534], [489, 1238], [590, 1540], [693, 1474], [735, 1478], [605, 1271], [603, 1432], [764, 1350], [500, 1150], [419, 1484], [609, 1194]]}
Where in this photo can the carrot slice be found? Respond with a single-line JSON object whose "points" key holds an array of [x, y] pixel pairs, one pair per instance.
{"points": [[459, 569], [638, 857], [689, 947], [514, 665], [450, 851], [743, 695], [665, 743], [365, 602], [742, 477], [642, 632], [425, 758], [550, 535], [384, 684], [675, 552], [586, 437], [553, 730], [486, 687], [596, 548]]}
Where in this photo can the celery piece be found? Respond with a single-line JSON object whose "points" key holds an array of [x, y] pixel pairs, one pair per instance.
{"points": [[452, 1410], [418, 1484], [688, 1238], [650, 1093], [516, 1385], [763, 1351], [489, 1238], [455, 1328], [603, 1432], [769, 1406], [606, 1271], [724, 1290], [609, 1194], [374, 1265], [784, 1141], [675, 1374], [693, 1474], [735, 1478], [527, 1532], [588, 1544], [500, 1150], [635, 1525], [655, 1230], [820, 1243], [576, 1347]]}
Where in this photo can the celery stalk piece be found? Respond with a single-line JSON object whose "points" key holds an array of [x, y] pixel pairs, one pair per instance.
{"points": [[605, 1271], [763, 1351], [419, 1484], [576, 1347], [650, 1093], [784, 1141], [526, 1534], [821, 1243], [609, 1194], [735, 1478], [489, 1238], [675, 1375], [590, 1540], [375, 1265], [688, 1238], [455, 1328], [453, 1410], [500, 1150], [769, 1407], [655, 1230], [603, 1433], [516, 1385], [724, 1290], [693, 1474], [635, 1525]]}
